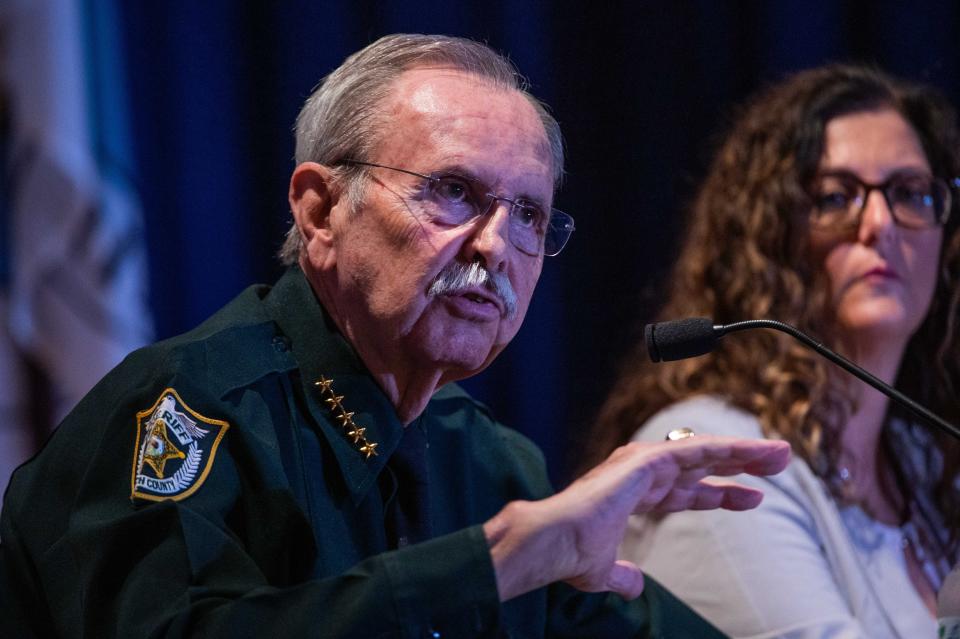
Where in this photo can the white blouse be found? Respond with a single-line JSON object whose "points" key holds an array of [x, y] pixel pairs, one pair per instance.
{"points": [[797, 566]]}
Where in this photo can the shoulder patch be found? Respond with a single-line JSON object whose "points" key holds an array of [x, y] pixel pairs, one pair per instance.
{"points": [[175, 449]]}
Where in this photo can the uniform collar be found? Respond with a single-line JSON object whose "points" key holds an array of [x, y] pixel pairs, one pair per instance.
{"points": [[322, 353]]}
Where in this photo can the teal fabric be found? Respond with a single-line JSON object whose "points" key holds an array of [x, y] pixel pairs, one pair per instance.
{"points": [[285, 537]]}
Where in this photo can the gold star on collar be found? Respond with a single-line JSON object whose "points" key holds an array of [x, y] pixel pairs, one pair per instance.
{"points": [[323, 384], [354, 432]]}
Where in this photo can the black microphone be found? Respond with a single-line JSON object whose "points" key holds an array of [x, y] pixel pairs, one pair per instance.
{"points": [[680, 339]]}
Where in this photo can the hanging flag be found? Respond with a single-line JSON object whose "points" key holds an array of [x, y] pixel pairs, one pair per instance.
{"points": [[73, 299]]}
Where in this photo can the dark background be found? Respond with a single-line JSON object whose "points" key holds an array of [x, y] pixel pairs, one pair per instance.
{"points": [[642, 90]]}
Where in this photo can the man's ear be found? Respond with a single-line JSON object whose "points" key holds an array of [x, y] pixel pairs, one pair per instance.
{"points": [[312, 197]]}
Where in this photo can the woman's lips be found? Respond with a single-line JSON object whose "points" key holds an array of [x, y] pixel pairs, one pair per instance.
{"points": [[881, 272]]}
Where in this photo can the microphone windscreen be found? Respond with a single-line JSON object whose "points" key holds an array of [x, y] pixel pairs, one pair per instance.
{"points": [[680, 339]]}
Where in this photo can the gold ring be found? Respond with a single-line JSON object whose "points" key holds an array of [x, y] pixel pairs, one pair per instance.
{"points": [[679, 433]]}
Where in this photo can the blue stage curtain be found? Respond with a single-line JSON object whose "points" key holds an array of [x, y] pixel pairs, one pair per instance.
{"points": [[641, 89]]}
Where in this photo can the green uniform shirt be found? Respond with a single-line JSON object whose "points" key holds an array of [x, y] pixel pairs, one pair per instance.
{"points": [[209, 487]]}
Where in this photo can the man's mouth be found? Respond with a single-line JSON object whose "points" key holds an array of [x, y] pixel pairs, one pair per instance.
{"points": [[473, 297], [480, 297], [477, 290]]}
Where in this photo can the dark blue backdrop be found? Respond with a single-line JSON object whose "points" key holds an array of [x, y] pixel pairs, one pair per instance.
{"points": [[641, 89]]}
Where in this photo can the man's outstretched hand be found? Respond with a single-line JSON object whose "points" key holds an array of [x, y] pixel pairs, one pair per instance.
{"points": [[573, 536]]}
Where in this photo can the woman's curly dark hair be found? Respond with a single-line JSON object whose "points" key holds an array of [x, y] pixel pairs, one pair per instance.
{"points": [[746, 255]]}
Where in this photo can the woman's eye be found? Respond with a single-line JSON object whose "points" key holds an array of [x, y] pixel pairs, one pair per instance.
{"points": [[913, 194], [833, 201]]}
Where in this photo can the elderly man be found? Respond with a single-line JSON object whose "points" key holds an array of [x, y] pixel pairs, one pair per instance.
{"points": [[301, 465]]}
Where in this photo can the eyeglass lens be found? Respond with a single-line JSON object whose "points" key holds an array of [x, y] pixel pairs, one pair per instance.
{"points": [[915, 200], [460, 200]]}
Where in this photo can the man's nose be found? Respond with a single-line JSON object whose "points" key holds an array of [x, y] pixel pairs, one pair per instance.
{"points": [[490, 238]]}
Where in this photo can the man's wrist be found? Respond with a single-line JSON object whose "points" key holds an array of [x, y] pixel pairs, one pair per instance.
{"points": [[523, 556]]}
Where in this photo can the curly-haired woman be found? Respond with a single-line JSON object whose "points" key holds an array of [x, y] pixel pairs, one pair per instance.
{"points": [[828, 207]]}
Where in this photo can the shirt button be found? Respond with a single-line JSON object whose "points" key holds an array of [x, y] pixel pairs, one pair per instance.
{"points": [[281, 344]]}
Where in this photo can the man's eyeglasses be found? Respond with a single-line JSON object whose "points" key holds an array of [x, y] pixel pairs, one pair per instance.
{"points": [[457, 200], [916, 200]]}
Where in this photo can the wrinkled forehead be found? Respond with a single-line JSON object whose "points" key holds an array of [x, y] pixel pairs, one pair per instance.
{"points": [[447, 116]]}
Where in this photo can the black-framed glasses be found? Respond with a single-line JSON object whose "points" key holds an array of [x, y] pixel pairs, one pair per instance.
{"points": [[458, 200], [916, 200]]}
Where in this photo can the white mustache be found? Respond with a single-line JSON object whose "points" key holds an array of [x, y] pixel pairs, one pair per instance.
{"points": [[457, 277]]}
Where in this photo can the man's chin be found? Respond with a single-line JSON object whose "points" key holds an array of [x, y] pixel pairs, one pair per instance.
{"points": [[456, 346], [460, 366]]}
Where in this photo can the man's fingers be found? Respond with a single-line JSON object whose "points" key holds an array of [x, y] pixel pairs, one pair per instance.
{"points": [[771, 463], [712, 494], [669, 476], [625, 579], [688, 468], [729, 456], [653, 476], [741, 498], [708, 495]]}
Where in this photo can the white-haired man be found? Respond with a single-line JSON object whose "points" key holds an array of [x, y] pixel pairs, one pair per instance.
{"points": [[301, 465]]}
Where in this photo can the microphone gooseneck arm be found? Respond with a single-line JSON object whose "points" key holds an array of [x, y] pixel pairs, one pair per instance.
{"points": [[705, 338]]}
